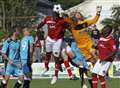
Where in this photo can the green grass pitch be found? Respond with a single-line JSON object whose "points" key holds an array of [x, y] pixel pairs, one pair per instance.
{"points": [[64, 83]]}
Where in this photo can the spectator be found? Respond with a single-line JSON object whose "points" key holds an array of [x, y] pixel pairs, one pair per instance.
{"points": [[116, 37], [118, 52], [117, 40], [38, 45], [95, 34]]}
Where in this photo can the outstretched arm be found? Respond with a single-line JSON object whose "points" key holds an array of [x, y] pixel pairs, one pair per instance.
{"points": [[38, 26], [95, 19], [84, 24], [89, 22]]}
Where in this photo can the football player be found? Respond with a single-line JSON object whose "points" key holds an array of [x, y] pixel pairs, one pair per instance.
{"points": [[106, 52]]}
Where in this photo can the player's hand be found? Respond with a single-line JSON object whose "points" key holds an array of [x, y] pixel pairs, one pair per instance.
{"points": [[10, 62], [61, 12], [4, 56], [99, 9]]}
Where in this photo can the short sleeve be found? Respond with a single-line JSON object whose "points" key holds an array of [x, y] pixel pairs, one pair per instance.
{"points": [[31, 40], [5, 47]]}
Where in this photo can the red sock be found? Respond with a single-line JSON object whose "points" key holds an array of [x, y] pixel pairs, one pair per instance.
{"points": [[102, 82], [94, 81], [56, 69], [46, 62], [66, 63]]}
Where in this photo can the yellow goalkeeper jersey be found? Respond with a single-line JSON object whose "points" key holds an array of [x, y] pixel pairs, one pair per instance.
{"points": [[81, 36]]}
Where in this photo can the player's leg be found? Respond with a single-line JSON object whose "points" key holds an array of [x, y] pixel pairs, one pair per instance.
{"points": [[57, 66], [80, 61], [81, 72], [19, 82], [89, 75], [83, 67], [94, 80], [87, 71], [66, 61], [5, 82], [61, 61], [27, 70], [19, 73], [89, 54], [48, 46], [46, 62], [103, 71], [8, 73], [26, 84], [95, 71], [102, 81], [2, 72], [56, 55], [92, 58]]}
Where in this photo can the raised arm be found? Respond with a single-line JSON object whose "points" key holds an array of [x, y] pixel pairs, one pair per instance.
{"points": [[95, 19], [85, 23], [40, 25]]}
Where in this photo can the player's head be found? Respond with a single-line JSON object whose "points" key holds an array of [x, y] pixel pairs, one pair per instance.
{"points": [[14, 32], [57, 10], [106, 31], [79, 16], [26, 31]]}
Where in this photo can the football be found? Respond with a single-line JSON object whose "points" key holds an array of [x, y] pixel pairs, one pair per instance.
{"points": [[57, 8]]}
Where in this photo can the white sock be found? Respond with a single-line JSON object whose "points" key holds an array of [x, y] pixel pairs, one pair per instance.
{"points": [[4, 81], [19, 81]]}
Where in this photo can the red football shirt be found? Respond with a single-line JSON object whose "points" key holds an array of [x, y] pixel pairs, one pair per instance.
{"points": [[106, 46], [55, 27]]}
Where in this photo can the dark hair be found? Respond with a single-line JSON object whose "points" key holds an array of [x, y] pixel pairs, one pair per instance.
{"points": [[82, 17], [12, 30], [106, 31], [108, 27]]}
